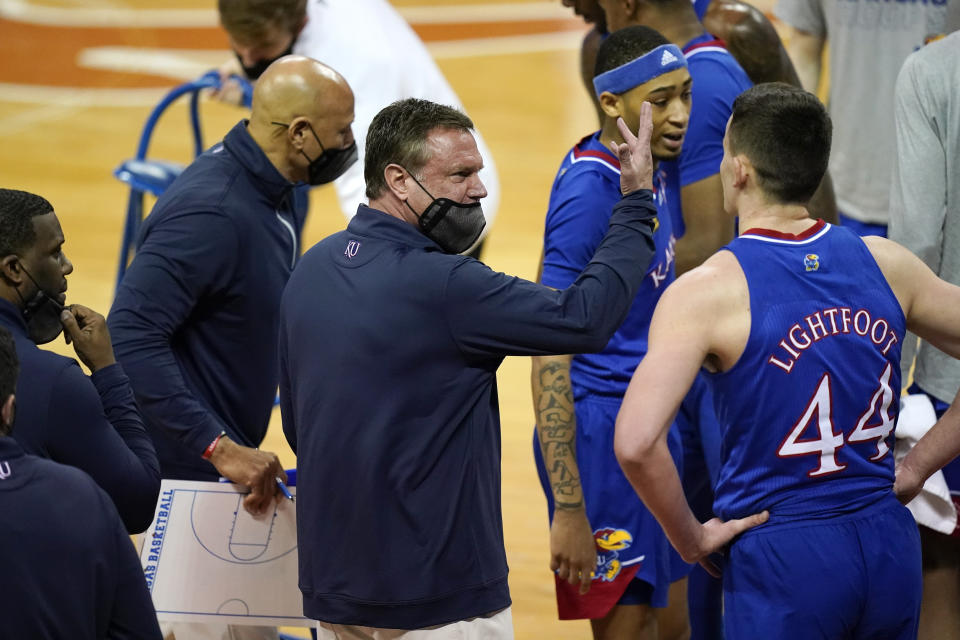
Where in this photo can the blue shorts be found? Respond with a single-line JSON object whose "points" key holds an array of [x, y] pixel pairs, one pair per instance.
{"points": [[848, 578], [630, 543], [863, 228]]}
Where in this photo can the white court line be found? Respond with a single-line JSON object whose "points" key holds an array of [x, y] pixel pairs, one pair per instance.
{"points": [[80, 96], [43, 114], [83, 16], [181, 64], [186, 64]]}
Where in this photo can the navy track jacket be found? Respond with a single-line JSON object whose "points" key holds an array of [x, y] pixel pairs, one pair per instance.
{"points": [[69, 568], [389, 350], [195, 319], [89, 423]]}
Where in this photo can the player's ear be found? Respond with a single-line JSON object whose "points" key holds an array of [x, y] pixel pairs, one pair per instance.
{"points": [[742, 168], [610, 104]]}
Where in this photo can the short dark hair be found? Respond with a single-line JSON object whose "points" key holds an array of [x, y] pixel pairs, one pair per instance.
{"points": [[249, 20], [626, 44], [9, 370], [398, 135], [785, 132], [17, 210]]}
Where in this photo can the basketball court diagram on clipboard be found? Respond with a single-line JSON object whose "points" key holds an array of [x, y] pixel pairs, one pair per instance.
{"points": [[205, 558]]}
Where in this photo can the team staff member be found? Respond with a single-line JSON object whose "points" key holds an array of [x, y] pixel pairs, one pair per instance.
{"points": [[801, 324], [868, 43], [388, 63], [89, 423], [396, 422], [599, 528], [924, 198], [68, 565], [195, 318]]}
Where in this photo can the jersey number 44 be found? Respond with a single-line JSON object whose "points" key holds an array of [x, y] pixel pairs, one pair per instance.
{"points": [[875, 423]]}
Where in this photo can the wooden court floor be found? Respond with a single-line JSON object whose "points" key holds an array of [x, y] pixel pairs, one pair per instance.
{"points": [[80, 77]]}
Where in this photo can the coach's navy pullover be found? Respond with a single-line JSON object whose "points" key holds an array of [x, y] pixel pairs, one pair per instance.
{"points": [[195, 318], [89, 423], [389, 352], [68, 568]]}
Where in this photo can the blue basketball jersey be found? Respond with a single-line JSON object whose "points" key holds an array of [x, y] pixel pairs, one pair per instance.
{"points": [[581, 201], [807, 412], [717, 81]]}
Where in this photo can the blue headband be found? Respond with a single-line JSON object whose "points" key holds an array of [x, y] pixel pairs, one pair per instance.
{"points": [[661, 60]]}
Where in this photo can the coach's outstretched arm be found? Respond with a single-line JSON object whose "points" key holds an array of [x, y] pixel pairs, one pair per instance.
{"points": [[483, 307]]}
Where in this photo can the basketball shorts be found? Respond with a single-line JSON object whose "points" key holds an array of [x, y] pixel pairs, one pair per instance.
{"points": [[863, 228], [631, 546], [849, 578]]}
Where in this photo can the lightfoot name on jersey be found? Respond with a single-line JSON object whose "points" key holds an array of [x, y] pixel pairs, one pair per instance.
{"points": [[831, 322]]}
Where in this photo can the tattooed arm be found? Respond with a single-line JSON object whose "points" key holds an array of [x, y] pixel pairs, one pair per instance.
{"points": [[573, 553]]}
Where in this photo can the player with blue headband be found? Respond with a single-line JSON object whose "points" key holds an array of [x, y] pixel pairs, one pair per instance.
{"points": [[612, 562]]}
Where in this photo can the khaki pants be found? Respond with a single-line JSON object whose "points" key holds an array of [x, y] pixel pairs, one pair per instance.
{"points": [[495, 626], [214, 631]]}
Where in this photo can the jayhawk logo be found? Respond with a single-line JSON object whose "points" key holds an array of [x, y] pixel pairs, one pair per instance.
{"points": [[811, 262], [609, 542]]}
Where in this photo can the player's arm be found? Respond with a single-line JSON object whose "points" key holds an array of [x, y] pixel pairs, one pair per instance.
{"points": [[572, 548], [708, 227], [752, 39], [918, 190], [690, 318], [931, 306], [806, 53]]}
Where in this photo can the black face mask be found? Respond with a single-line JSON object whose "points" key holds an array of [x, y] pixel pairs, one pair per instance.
{"points": [[330, 164], [256, 70], [452, 225], [41, 313]]}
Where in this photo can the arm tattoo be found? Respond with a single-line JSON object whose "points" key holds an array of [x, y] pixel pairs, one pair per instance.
{"points": [[558, 434]]}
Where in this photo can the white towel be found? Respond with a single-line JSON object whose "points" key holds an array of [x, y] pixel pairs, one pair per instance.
{"points": [[932, 507]]}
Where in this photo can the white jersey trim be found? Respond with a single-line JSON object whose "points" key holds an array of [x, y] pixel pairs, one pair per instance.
{"points": [[574, 159], [627, 563], [812, 238], [706, 49]]}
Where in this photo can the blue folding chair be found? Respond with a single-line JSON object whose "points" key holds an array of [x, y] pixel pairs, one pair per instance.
{"points": [[155, 176]]}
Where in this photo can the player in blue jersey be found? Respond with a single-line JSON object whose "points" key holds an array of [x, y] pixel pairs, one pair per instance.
{"points": [[611, 557], [800, 324]]}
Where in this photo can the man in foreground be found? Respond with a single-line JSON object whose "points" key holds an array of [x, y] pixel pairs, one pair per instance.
{"points": [[390, 344], [799, 324]]}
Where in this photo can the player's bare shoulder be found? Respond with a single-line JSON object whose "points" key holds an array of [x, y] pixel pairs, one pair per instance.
{"points": [[718, 282], [903, 271], [714, 298]]}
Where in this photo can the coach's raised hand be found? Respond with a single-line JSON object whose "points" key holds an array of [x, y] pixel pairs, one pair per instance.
{"points": [[636, 162]]}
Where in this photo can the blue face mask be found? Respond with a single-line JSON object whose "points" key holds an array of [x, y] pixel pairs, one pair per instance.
{"points": [[452, 225]]}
